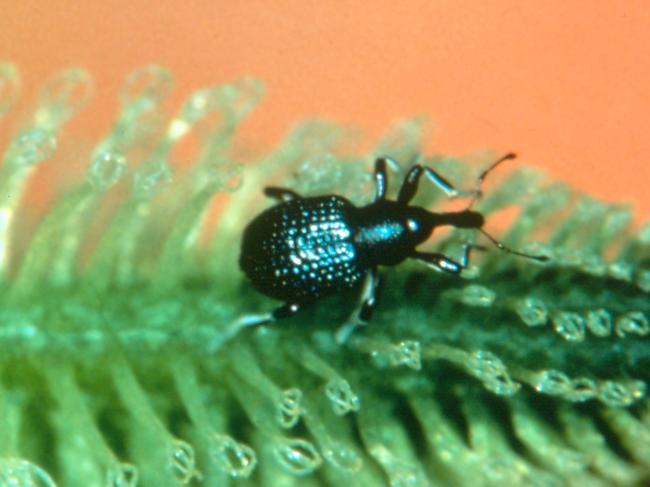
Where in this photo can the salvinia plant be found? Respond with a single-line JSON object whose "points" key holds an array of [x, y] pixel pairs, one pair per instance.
{"points": [[120, 364]]}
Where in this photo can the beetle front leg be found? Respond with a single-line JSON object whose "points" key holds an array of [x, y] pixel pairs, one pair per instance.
{"points": [[364, 310], [412, 182], [380, 178], [443, 263]]}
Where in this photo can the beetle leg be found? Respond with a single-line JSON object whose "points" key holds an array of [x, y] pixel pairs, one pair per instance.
{"points": [[248, 321], [363, 313], [282, 194], [369, 296], [285, 311], [443, 263], [412, 181], [380, 178]]}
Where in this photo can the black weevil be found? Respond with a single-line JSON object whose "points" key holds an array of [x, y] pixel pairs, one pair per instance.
{"points": [[305, 248]]}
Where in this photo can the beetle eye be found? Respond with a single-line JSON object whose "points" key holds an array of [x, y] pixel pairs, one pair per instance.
{"points": [[412, 225]]}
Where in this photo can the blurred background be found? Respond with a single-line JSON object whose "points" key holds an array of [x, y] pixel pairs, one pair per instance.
{"points": [[564, 84]]}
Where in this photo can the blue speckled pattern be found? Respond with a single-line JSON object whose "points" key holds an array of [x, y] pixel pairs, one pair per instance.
{"points": [[301, 249], [380, 233]]}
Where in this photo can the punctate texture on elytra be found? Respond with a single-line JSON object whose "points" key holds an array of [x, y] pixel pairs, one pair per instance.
{"points": [[120, 361]]}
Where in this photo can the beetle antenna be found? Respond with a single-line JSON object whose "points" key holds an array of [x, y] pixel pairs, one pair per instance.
{"points": [[540, 258], [477, 193]]}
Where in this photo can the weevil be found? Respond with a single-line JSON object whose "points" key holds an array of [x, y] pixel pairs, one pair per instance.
{"points": [[304, 248]]}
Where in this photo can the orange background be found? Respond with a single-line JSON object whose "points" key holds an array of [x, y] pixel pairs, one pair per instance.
{"points": [[565, 84]]}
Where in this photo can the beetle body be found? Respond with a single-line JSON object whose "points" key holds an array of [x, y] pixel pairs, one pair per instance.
{"points": [[302, 249], [305, 248]]}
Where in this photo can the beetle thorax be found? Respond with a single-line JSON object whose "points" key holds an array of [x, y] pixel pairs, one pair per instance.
{"points": [[386, 232]]}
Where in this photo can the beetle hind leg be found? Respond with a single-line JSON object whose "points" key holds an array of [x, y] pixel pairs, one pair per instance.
{"points": [[281, 194], [249, 321], [284, 311]]}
